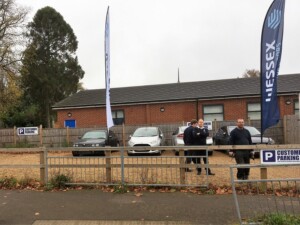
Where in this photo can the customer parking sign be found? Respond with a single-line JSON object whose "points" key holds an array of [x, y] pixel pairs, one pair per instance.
{"points": [[280, 156]]}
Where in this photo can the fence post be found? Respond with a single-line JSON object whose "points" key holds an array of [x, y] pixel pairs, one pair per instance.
{"points": [[263, 176], [108, 166], [284, 130], [215, 125], [41, 135], [68, 137], [42, 166], [123, 135], [182, 166], [15, 138]]}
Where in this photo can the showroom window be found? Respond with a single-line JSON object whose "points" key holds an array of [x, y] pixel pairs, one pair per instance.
{"points": [[253, 111], [296, 107], [118, 117], [213, 112]]}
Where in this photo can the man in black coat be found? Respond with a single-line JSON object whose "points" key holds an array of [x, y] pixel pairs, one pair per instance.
{"points": [[200, 134], [189, 140], [241, 136]]}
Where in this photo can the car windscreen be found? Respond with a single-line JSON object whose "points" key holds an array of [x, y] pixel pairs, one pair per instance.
{"points": [[145, 132], [253, 131], [94, 135]]}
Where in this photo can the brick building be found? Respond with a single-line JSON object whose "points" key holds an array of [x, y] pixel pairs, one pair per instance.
{"points": [[225, 99]]}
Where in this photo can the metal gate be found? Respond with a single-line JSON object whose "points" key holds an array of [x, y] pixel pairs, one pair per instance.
{"points": [[255, 198]]}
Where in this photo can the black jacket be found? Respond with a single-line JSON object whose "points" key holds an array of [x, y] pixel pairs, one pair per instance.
{"points": [[240, 137], [188, 136], [200, 135]]}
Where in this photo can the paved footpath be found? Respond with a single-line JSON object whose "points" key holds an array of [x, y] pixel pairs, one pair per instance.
{"points": [[94, 207]]}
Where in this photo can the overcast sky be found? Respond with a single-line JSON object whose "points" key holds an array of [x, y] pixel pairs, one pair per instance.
{"points": [[151, 39]]}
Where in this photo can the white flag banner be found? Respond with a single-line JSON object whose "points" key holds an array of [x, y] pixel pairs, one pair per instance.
{"points": [[109, 119]]}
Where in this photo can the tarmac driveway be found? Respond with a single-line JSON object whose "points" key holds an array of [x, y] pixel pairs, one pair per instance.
{"points": [[94, 207]]}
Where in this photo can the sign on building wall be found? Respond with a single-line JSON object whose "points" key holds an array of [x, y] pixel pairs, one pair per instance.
{"points": [[280, 156], [27, 130], [208, 125]]}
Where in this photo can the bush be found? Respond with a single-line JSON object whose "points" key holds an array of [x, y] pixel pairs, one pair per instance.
{"points": [[59, 181], [280, 219], [8, 182]]}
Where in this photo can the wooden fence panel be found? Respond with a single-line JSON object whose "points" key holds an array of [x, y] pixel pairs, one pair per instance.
{"points": [[292, 131], [63, 137]]}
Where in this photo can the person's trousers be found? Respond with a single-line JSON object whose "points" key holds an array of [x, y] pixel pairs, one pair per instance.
{"points": [[242, 157], [197, 160]]}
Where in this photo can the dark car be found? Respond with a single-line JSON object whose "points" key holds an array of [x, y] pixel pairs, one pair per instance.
{"points": [[95, 138], [223, 134]]}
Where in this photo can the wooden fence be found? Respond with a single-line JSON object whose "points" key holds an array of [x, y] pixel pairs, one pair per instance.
{"points": [[292, 129], [285, 132], [45, 164]]}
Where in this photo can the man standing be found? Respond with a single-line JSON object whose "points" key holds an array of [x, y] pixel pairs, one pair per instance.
{"points": [[200, 134], [241, 136], [189, 140]]}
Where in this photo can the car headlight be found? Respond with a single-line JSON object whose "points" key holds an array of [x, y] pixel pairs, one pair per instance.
{"points": [[75, 145], [155, 142], [130, 143]]}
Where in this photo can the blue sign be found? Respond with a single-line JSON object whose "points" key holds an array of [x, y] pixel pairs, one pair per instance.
{"points": [[280, 156]]}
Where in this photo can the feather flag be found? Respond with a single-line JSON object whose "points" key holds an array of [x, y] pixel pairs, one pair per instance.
{"points": [[109, 119], [271, 48]]}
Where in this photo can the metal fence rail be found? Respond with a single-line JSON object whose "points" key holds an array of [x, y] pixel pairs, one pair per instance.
{"points": [[137, 170], [257, 197]]}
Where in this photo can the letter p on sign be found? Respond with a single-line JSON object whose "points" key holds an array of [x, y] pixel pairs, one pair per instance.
{"points": [[268, 156]]}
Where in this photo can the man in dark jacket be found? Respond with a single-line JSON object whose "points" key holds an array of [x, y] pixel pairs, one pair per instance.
{"points": [[189, 140], [200, 134], [241, 136]]}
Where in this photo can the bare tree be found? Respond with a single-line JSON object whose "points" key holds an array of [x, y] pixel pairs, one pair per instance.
{"points": [[12, 24], [251, 73]]}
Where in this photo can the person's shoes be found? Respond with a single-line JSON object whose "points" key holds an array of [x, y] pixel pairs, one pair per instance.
{"points": [[188, 170], [210, 173]]}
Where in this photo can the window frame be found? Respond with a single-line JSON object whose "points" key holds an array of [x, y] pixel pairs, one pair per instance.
{"points": [[211, 114], [254, 111], [115, 117]]}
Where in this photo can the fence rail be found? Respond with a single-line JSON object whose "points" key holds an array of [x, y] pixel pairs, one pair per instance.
{"points": [[116, 167]]}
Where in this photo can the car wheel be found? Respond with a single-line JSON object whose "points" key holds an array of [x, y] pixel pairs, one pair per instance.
{"points": [[75, 153], [129, 154]]}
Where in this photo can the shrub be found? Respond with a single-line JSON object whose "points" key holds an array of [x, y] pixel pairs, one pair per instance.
{"points": [[58, 181], [280, 219]]}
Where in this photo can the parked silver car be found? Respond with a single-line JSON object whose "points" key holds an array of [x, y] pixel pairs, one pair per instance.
{"points": [[177, 139], [146, 136]]}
